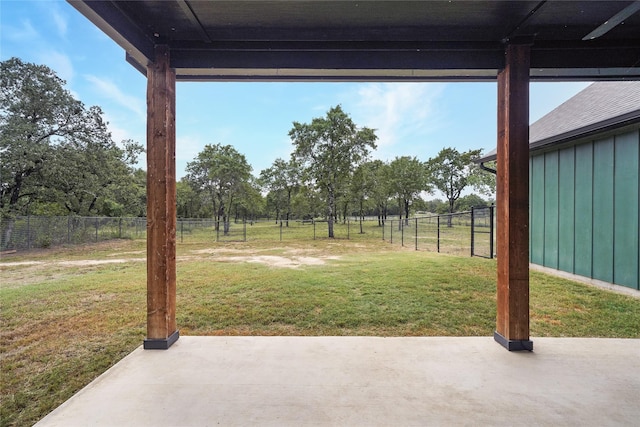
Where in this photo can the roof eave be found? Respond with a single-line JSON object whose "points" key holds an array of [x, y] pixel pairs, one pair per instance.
{"points": [[623, 120]]}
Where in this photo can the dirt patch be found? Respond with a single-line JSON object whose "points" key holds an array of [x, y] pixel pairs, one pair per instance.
{"points": [[127, 253], [91, 262], [74, 263], [215, 251], [278, 261], [21, 273]]}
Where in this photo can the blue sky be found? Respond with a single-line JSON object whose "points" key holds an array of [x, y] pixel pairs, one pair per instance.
{"points": [[414, 119]]}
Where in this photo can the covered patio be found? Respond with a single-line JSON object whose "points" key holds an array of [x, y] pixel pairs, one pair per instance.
{"points": [[364, 380]]}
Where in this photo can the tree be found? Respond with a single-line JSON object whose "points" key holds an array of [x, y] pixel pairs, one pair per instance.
{"points": [[189, 204], [57, 156], [408, 180], [382, 190], [35, 112], [57, 153], [249, 203], [307, 203], [435, 206], [93, 176], [451, 172], [328, 149], [361, 188], [281, 180], [465, 203], [222, 172]]}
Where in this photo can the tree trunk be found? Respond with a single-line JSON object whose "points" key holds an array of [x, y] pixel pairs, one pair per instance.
{"points": [[331, 212], [8, 231], [227, 225], [406, 212]]}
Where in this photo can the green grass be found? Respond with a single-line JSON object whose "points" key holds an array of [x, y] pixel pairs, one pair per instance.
{"points": [[62, 326]]}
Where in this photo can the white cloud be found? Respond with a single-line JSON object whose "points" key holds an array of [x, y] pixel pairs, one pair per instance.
{"points": [[397, 110], [60, 63], [60, 22], [110, 90], [25, 33]]}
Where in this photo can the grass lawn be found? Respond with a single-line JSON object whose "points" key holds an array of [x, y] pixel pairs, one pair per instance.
{"points": [[68, 314]]}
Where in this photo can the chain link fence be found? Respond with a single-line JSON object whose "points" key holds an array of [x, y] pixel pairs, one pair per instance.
{"points": [[463, 233], [30, 232]]}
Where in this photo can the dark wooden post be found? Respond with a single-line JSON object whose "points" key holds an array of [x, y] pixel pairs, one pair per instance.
{"points": [[161, 203], [512, 326]]}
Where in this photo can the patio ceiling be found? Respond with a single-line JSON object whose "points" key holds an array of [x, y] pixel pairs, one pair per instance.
{"points": [[374, 40]]}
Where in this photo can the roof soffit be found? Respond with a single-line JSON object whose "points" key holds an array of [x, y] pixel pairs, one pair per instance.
{"points": [[391, 39]]}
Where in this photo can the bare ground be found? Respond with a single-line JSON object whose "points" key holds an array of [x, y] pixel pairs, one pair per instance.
{"points": [[25, 272]]}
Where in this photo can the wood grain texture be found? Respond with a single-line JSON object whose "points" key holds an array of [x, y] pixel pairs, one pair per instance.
{"points": [[161, 197], [513, 195]]}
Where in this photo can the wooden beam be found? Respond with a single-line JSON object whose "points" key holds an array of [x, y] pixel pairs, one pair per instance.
{"points": [[512, 326], [161, 203]]}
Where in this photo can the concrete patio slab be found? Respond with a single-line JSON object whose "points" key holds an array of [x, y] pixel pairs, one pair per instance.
{"points": [[364, 381]]}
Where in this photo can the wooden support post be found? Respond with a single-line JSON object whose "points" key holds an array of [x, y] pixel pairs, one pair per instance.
{"points": [[512, 326], [161, 203]]}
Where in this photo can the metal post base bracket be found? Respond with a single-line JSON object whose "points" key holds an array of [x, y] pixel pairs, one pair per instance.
{"points": [[513, 345], [161, 344]]}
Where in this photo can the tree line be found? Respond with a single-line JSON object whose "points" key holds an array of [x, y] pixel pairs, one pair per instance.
{"points": [[330, 175], [58, 158]]}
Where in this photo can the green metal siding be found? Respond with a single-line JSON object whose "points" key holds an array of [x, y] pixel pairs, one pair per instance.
{"points": [[537, 210], [627, 162], [603, 210], [566, 209], [585, 209], [551, 209]]}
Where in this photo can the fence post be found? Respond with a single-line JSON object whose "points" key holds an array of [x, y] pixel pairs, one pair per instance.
{"points": [[96, 229], [69, 230], [120, 228], [217, 227], [313, 221], [416, 234], [28, 231], [472, 231], [181, 231], [438, 242], [281, 230]]}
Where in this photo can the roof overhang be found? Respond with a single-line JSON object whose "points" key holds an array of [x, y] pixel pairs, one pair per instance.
{"points": [[288, 40], [619, 124]]}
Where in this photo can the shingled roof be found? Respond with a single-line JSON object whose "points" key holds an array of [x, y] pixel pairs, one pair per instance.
{"points": [[599, 107]]}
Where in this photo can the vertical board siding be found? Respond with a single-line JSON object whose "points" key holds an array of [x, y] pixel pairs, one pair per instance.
{"points": [[603, 209], [537, 210], [530, 207], [625, 250], [566, 209], [583, 210], [551, 209]]}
